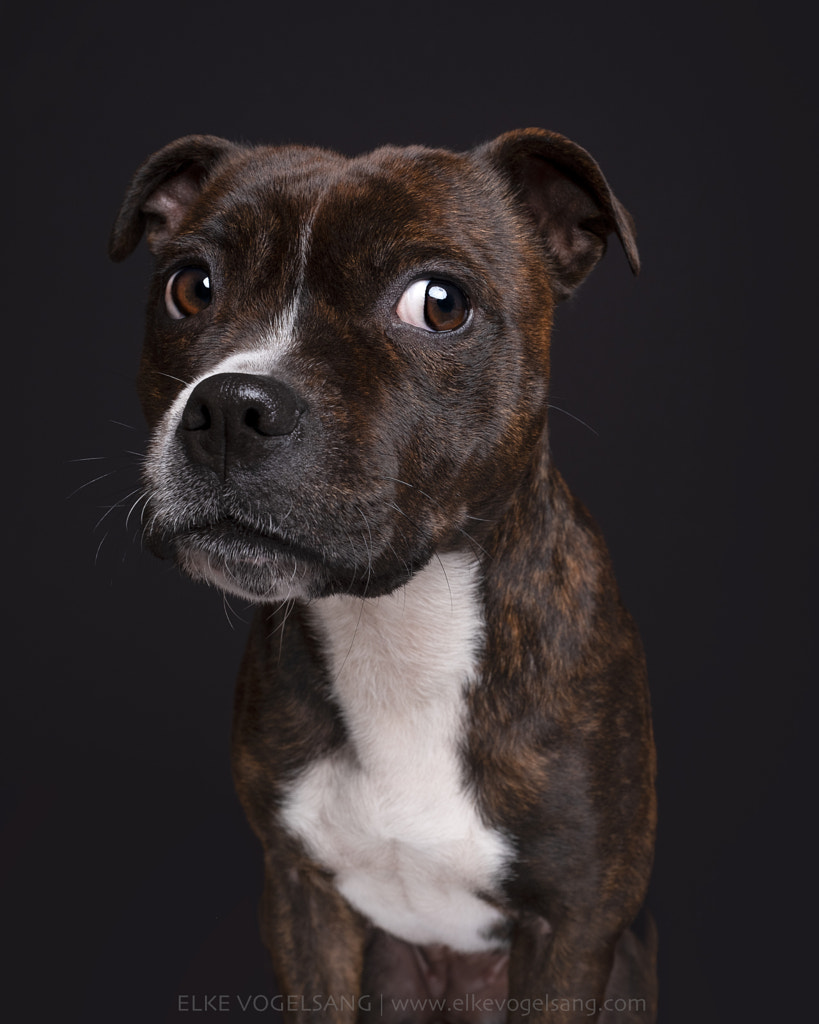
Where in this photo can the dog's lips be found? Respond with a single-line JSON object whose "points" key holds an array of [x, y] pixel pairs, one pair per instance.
{"points": [[241, 560], [238, 543]]}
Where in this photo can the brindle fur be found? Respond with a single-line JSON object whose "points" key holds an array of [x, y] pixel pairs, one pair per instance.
{"points": [[559, 753]]}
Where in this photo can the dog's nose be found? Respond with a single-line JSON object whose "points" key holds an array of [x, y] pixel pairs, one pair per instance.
{"points": [[230, 418]]}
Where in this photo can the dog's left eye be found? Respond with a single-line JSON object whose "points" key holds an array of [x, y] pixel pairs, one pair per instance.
{"points": [[433, 306], [187, 292]]}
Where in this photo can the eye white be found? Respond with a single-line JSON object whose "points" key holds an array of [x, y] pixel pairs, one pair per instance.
{"points": [[411, 305], [170, 305]]}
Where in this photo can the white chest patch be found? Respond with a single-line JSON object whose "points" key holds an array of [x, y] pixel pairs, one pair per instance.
{"points": [[390, 816]]}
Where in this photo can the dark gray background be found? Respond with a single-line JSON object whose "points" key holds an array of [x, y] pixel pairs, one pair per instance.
{"points": [[130, 875]]}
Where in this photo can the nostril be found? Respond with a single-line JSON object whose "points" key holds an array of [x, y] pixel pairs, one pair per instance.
{"points": [[253, 420], [196, 416]]}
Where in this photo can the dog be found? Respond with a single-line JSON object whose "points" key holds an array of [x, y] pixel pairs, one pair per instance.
{"points": [[442, 733]]}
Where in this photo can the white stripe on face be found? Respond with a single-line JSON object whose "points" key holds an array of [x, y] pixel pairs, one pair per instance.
{"points": [[264, 356]]}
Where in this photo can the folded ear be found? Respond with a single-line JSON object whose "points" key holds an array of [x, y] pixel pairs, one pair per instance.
{"points": [[564, 193], [163, 190]]}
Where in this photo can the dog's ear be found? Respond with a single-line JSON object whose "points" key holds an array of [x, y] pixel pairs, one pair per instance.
{"points": [[564, 193], [162, 191]]}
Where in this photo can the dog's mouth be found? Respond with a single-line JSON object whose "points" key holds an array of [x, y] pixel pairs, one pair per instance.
{"points": [[229, 536], [254, 564], [265, 567]]}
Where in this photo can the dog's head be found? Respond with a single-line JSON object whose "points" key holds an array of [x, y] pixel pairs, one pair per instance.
{"points": [[346, 360]]}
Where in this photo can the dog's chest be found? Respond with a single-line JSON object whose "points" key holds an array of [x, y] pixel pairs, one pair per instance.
{"points": [[390, 814]]}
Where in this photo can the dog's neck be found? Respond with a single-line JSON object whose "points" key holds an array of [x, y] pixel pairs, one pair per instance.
{"points": [[415, 646]]}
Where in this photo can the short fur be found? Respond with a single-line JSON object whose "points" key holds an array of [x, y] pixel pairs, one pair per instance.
{"points": [[442, 733]]}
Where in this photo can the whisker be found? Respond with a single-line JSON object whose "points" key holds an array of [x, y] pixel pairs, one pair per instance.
{"points": [[142, 497], [230, 610], [96, 479], [352, 640], [170, 376], [99, 547], [407, 570], [572, 416], [392, 505], [369, 549], [287, 611], [110, 509], [430, 497], [448, 585], [476, 546]]}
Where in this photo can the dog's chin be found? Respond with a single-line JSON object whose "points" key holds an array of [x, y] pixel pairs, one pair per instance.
{"points": [[258, 579], [263, 569], [255, 568]]}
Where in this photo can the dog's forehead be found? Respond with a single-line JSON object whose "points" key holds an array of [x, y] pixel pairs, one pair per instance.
{"points": [[392, 192]]}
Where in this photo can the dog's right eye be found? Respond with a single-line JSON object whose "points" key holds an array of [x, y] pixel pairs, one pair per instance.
{"points": [[187, 292]]}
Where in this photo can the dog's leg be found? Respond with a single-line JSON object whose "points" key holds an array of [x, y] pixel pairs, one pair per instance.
{"points": [[558, 976], [316, 942], [631, 993]]}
